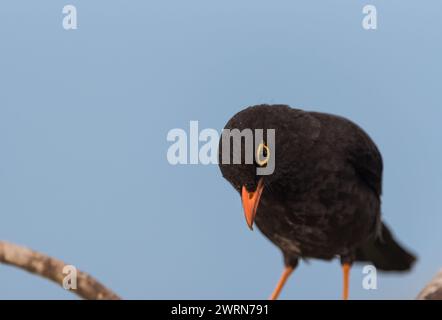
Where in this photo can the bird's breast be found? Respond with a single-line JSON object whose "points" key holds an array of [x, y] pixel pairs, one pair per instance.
{"points": [[322, 223]]}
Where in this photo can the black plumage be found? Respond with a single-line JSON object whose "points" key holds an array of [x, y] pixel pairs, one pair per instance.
{"points": [[323, 199]]}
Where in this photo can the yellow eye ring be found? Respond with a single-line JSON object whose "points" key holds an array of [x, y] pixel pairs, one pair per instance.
{"points": [[260, 153]]}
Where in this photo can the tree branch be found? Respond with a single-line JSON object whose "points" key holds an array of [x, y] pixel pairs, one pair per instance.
{"points": [[433, 290], [89, 288], [52, 269]]}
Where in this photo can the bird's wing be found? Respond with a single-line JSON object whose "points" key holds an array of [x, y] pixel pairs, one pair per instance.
{"points": [[366, 159], [357, 147]]}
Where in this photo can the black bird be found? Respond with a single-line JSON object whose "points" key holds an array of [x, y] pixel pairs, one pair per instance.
{"points": [[323, 199]]}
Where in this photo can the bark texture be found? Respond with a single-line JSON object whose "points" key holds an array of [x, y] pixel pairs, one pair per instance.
{"points": [[433, 290], [52, 269]]}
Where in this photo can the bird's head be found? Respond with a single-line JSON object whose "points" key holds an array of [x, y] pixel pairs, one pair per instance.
{"points": [[258, 148]]}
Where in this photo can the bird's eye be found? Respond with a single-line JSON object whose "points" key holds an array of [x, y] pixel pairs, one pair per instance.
{"points": [[262, 154]]}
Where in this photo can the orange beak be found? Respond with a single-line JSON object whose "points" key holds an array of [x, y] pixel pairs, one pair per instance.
{"points": [[250, 201]]}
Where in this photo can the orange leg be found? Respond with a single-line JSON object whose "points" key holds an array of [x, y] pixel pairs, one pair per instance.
{"points": [[346, 271], [285, 275]]}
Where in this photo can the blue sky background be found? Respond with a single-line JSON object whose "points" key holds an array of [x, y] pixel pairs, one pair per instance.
{"points": [[84, 116]]}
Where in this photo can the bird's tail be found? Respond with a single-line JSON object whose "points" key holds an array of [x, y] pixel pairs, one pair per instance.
{"points": [[385, 253]]}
